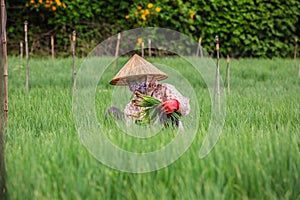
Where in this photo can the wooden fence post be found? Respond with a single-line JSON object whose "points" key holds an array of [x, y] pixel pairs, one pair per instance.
{"points": [[4, 83], [199, 48], [27, 56], [217, 78], [143, 49], [52, 46], [21, 50], [4, 51], [117, 50], [228, 73], [74, 64], [295, 52], [149, 48]]}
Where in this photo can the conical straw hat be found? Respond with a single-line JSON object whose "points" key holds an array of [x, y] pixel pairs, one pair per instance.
{"points": [[136, 67]]}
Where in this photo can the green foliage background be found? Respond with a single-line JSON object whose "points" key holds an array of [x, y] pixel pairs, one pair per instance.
{"points": [[255, 28]]}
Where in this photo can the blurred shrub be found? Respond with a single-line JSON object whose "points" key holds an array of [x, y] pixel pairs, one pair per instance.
{"points": [[93, 21], [246, 28]]}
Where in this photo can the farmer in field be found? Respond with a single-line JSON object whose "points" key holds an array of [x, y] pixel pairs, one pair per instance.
{"points": [[141, 77]]}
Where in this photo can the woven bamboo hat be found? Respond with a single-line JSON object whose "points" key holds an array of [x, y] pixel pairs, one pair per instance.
{"points": [[137, 67]]}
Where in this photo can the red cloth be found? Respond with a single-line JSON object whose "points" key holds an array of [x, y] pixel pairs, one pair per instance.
{"points": [[170, 106]]}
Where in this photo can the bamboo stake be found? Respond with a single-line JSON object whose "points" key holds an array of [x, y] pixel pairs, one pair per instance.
{"points": [[117, 50], [27, 56], [228, 74], [4, 51], [217, 78], [3, 189], [52, 46], [218, 73], [143, 49], [295, 52], [2, 167], [199, 48], [21, 50], [149, 48], [74, 64]]}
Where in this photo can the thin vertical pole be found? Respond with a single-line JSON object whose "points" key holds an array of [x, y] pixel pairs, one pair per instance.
{"points": [[143, 49], [5, 68], [295, 52], [228, 74], [52, 46], [299, 71], [21, 50], [218, 73], [117, 50], [3, 189], [149, 48], [217, 78], [27, 56], [74, 64], [199, 48]]}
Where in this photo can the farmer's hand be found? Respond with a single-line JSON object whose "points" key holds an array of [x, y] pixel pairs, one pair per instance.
{"points": [[170, 106]]}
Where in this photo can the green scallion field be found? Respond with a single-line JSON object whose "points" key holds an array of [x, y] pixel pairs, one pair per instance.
{"points": [[256, 157]]}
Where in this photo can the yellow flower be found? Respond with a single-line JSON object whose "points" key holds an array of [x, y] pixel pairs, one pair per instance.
{"points": [[147, 12], [150, 5], [158, 9], [139, 41], [31, 1], [40, 1], [192, 14], [127, 17], [143, 17], [64, 5], [136, 14], [53, 8], [139, 7], [58, 2], [27, 5]]}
